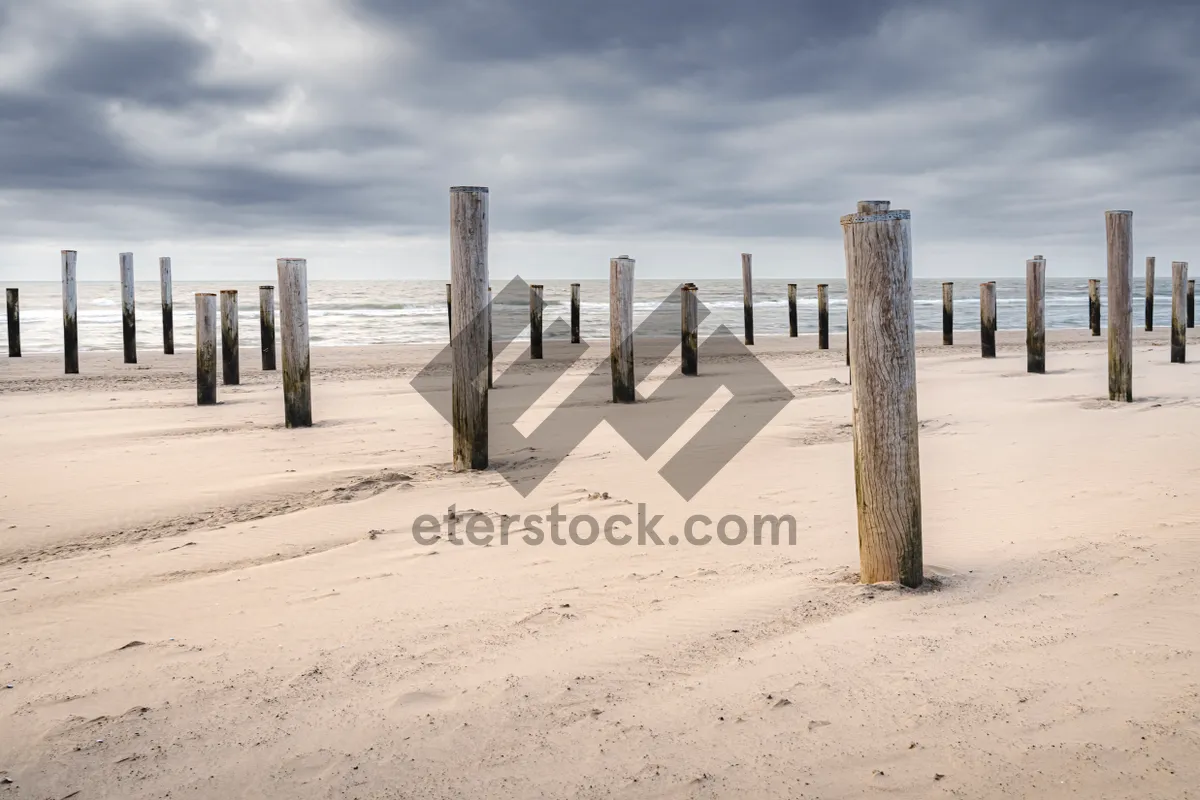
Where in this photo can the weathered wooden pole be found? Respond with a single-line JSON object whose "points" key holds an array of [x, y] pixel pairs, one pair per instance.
{"points": [[293, 319], [987, 319], [887, 468], [449, 314], [168, 305], [793, 323], [13, 307], [128, 317], [748, 298], [70, 314], [620, 328], [536, 292], [469, 277], [1035, 315], [230, 362], [1149, 293], [1191, 303], [689, 314], [1179, 279], [574, 313], [1094, 306], [206, 348], [266, 325], [823, 318], [947, 312], [1119, 235]]}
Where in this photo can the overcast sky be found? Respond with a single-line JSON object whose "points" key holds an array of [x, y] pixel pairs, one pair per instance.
{"points": [[225, 133]]}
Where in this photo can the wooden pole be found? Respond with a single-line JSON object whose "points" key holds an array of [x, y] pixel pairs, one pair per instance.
{"points": [[230, 361], [748, 298], [1191, 303], [793, 323], [70, 314], [472, 318], [1149, 293], [168, 305], [128, 318], [987, 319], [887, 467], [1179, 279], [823, 318], [266, 325], [13, 306], [449, 315], [690, 328], [536, 291], [293, 318], [1094, 306], [206, 349], [1035, 315], [947, 312], [1119, 235], [620, 328], [575, 313]]}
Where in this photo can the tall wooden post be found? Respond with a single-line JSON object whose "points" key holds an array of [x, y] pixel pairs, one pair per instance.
{"points": [[947, 312], [469, 351], [1094, 306], [823, 318], [1179, 279], [449, 314], [1191, 303], [1035, 314], [987, 319], [70, 314], [266, 325], [293, 319], [574, 313], [128, 317], [230, 356], [887, 468], [793, 322], [206, 348], [1119, 234], [13, 308], [689, 313], [168, 305], [748, 298], [1149, 293], [620, 328], [536, 292]]}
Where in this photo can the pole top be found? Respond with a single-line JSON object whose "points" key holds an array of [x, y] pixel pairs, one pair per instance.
{"points": [[229, 291], [1179, 263], [266, 287], [875, 216], [1121, 213], [206, 294], [468, 189], [947, 283]]}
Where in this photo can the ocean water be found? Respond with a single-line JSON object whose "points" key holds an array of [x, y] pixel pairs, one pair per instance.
{"points": [[346, 313]]}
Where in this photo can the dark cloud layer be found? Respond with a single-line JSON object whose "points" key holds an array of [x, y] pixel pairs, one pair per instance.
{"points": [[675, 117]]}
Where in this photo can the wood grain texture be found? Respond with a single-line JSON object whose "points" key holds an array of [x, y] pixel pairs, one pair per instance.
{"points": [[292, 279], [793, 321], [536, 305], [947, 312], [1149, 293], [823, 316], [1179, 279], [231, 367], [1118, 226], [472, 321], [689, 318], [1094, 306], [574, 313], [1191, 303], [449, 314], [266, 326], [748, 298], [206, 349], [168, 305], [70, 314], [1035, 315], [987, 319], [620, 329], [12, 307], [128, 315], [884, 394]]}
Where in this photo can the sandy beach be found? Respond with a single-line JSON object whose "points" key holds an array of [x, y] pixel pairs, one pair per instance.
{"points": [[200, 603]]}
